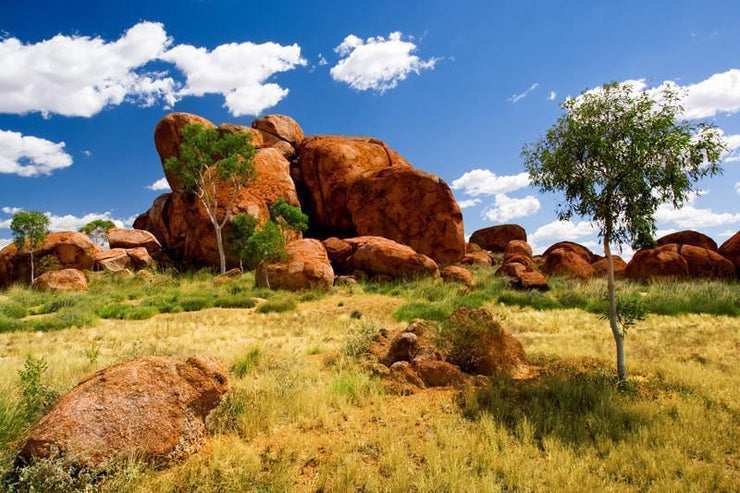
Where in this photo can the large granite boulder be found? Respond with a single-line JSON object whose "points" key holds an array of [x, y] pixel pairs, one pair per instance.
{"points": [[378, 256], [688, 238], [411, 207], [495, 238], [730, 249], [679, 261], [307, 267], [133, 238], [576, 248], [62, 280], [151, 407], [567, 262]]}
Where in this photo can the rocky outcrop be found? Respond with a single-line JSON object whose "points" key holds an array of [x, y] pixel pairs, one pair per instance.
{"points": [[168, 136], [601, 266], [307, 267], [579, 250], [281, 126], [688, 238], [495, 238], [521, 271], [62, 280], [378, 256], [518, 247], [70, 249], [134, 238], [180, 223], [411, 207], [475, 255], [113, 260], [679, 261], [455, 273], [152, 407], [567, 262], [730, 249]]}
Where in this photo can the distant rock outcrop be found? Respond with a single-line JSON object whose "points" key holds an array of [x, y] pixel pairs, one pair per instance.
{"points": [[151, 407], [688, 238], [678, 261], [730, 249], [495, 238]]}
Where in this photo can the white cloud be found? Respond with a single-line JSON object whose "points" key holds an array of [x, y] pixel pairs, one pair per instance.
{"points": [[69, 222], [690, 217], [737, 187], [507, 208], [464, 204], [515, 98], [11, 210], [86, 153], [322, 60], [160, 184], [5, 242], [733, 147], [485, 182], [237, 71], [718, 94], [25, 155], [377, 63], [563, 230], [552, 96], [80, 75]]}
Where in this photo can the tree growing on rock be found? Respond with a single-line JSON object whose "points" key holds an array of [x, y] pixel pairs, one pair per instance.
{"points": [[29, 230], [97, 229], [617, 154], [214, 166]]}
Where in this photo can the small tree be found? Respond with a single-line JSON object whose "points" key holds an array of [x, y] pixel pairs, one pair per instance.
{"points": [[617, 154], [242, 228], [29, 230], [97, 229], [288, 217], [214, 166]]}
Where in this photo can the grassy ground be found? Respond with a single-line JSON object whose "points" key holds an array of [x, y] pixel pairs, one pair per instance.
{"points": [[302, 414]]}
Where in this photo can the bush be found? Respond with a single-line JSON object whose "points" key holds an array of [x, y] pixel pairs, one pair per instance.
{"points": [[36, 396], [533, 299], [63, 319], [12, 309], [247, 362], [195, 303], [571, 299], [280, 304], [426, 311], [8, 324], [359, 340], [234, 302]]}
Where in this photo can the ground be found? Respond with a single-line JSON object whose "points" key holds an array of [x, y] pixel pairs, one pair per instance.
{"points": [[303, 414]]}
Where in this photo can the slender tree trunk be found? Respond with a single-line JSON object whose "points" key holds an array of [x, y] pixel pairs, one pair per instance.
{"points": [[33, 278], [221, 253], [618, 335]]}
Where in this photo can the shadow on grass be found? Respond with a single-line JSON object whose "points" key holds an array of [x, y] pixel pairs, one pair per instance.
{"points": [[578, 403]]}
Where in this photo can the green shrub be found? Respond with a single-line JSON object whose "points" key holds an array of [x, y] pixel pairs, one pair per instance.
{"points": [[234, 302], [63, 319], [571, 299], [56, 304], [533, 299], [247, 362], [427, 311], [12, 309], [195, 303], [284, 303], [468, 338], [127, 312], [354, 386], [358, 343], [8, 324], [34, 393]]}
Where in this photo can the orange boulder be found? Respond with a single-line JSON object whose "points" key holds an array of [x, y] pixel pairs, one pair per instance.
{"points": [[307, 267], [495, 238]]}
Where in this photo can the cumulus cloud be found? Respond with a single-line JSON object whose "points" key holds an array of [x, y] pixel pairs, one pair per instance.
{"points": [[5, 242], [70, 222], [563, 230], [737, 187], [81, 75], [25, 155], [377, 63], [485, 182], [515, 98], [733, 148], [507, 208], [720, 93], [160, 184], [690, 217], [237, 71], [552, 96], [464, 204]]}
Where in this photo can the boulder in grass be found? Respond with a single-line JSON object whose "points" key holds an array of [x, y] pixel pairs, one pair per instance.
{"points": [[576, 248], [601, 266], [495, 238], [455, 273], [62, 280], [567, 262], [307, 267], [730, 249], [152, 407], [519, 247]]}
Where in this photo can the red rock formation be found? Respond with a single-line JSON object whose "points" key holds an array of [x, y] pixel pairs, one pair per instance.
{"points": [[581, 250], [600, 266], [518, 247], [134, 238], [688, 238], [411, 207], [307, 267], [664, 261], [62, 280], [454, 273], [475, 255], [153, 407], [730, 249], [567, 262], [495, 238]]}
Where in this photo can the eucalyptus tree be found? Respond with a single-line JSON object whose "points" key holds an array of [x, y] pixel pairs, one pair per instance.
{"points": [[97, 230], [29, 230], [616, 154]]}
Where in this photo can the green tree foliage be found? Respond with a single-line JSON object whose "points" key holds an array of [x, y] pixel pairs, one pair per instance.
{"points": [[97, 229], [288, 216], [210, 162], [268, 245], [617, 154], [29, 230], [243, 227]]}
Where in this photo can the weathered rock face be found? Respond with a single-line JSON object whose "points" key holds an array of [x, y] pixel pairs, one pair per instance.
{"points": [[281, 126], [566, 262], [475, 255], [71, 249], [521, 271], [134, 238], [307, 267], [378, 256], [688, 238], [678, 261], [62, 280], [601, 266], [730, 249], [114, 260], [455, 273], [180, 223], [153, 406], [495, 238], [580, 250], [328, 166], [411, 207], [518, 247], [168, 136], [664, 261]]}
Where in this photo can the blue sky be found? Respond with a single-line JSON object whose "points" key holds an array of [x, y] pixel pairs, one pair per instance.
{"points": [[453, 86]]}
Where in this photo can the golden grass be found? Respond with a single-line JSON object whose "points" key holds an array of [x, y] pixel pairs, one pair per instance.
{"points": [[304, 417]]}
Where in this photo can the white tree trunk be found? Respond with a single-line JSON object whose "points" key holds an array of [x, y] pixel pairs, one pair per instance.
{"points": [[33, 278], [221, 253], [618, 335]]}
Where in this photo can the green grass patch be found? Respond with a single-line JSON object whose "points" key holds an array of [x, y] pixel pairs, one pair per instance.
{"points": [[283, 303], [247, 363]]}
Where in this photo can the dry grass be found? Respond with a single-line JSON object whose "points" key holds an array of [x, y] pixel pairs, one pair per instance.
{"points": [[303, 415]]}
